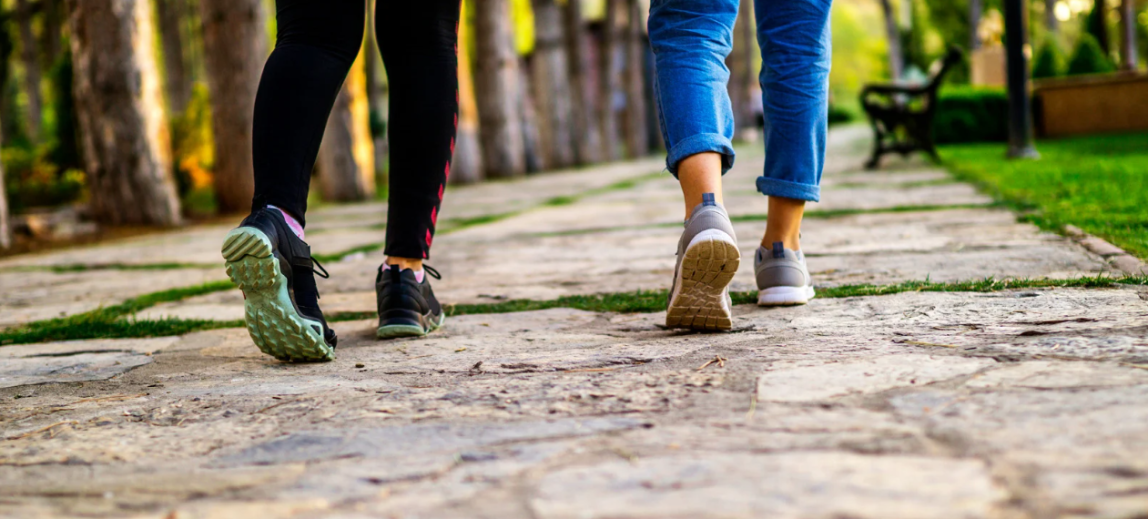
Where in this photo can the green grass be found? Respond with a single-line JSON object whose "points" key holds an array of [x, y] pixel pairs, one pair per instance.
{"points": [[82, 267], [1097, 183], [109, 322]]}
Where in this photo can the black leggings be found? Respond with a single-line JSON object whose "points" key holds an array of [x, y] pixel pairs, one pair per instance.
{"points": [[316, 44]]}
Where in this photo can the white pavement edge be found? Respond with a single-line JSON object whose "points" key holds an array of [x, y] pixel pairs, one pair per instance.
{"points": [[1115, 256]]}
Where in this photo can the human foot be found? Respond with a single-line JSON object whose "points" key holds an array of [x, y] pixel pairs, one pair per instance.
{"points": [[406, 303], [274, 269], [782, 277], [707, 260]]}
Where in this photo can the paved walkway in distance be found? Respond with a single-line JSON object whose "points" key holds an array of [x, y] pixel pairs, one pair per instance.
{"points": [[1027, 403]]}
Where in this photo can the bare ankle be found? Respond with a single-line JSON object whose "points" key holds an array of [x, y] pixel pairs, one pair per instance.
{"points": [[789, 242], [405, 263]]}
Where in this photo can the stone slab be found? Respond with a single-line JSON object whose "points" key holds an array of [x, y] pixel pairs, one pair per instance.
{"points": [[812, 381]]}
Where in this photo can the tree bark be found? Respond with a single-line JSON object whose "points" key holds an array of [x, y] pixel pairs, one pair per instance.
{"points": [[30, 58], [50, 33], [529, 117], [740, 64], [975, 9], [552, 91], [587, 140], [119, 106], [496, 86], [637, 140], [893, 36], [1050, 21], [466, 166], [177, 82], [1128, 58], [347, 155], [608, 81], [235, 48], [377, 101], [5, 227]]}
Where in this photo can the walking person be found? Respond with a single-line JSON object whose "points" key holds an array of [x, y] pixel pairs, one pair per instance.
{"points": [[266, 255], [691, 40]]}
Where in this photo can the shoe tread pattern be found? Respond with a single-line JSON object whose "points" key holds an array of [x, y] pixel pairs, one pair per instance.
{"points": [[272, 321], [707, 269]]}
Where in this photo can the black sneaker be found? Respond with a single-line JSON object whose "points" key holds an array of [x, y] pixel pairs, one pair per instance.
{"points": [[275, 271], [407, 308]]}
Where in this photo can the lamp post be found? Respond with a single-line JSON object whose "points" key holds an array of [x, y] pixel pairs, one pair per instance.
{"points": [[1019, 102]]}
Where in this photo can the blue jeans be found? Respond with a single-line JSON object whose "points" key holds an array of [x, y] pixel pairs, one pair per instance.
{"points": [[691, 39]]}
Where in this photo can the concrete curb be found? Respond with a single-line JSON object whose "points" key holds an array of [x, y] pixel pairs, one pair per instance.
{"points": [[1115, 256]]}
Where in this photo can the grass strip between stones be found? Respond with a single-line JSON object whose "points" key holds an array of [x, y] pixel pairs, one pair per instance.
{"points": [[110, 322]]}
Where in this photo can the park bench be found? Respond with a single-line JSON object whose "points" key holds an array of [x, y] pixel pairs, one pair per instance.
{"points": [[902, 114]]}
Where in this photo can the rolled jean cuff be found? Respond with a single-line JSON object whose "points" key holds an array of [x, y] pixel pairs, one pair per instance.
{"points": [[784, 189], [700, 143]]}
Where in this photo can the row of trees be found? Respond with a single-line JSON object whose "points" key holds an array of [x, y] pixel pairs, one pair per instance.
{"points": [[1115, 27], [129, 98]]}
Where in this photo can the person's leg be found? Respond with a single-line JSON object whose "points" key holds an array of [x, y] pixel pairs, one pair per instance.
{"points": [[315, 44], [795, 48], [690, 44], [266, 256], [418, 41]]}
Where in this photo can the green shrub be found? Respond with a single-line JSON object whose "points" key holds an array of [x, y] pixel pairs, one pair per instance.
{"points": [[1089, 58], [1049, 61], [839, 115], [971, 114], [65, 151]]}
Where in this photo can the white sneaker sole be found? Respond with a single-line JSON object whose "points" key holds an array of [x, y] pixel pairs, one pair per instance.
{"points": [[699, 300], [784, 296]]}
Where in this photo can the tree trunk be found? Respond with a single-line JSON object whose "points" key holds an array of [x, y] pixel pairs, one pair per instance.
{"points": [[1128, 59], [893, 36], [587, 140], [496, 85], [50, 33], [377, 101], [529, 118], [740, 64], [30, 58], [177, 80], [346, 155], [637, 140], [119, 106], [5, 227], [975, 9], [1050, 21], [235, 48], [608, 81], [552, 92], [466, 166]]}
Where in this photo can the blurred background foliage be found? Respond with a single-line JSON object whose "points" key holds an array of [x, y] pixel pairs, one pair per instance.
{"points": [[40, 144]]}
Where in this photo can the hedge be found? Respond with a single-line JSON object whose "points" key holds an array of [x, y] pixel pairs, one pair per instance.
{"points": [[971, 114]]}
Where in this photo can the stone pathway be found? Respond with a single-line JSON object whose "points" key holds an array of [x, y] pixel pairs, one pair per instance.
{"points": [[1028, 403]]}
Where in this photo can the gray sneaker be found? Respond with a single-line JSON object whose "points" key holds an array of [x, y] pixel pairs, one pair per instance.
{"points": [[707, 260], [782, 277]]}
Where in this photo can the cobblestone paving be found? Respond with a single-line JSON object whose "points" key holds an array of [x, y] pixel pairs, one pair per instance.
{"points": [[1028, 403]]}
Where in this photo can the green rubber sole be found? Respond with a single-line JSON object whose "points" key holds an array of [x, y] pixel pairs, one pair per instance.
{"points": [[398, 331], [274, 324]]}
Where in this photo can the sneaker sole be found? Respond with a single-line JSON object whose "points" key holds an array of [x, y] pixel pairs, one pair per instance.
{"points": [[784, 296], [707, 268], [274, 324], [398, 331]]}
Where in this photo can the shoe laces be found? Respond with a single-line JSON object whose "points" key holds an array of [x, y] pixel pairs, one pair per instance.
{"points": [[322, 272]]}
